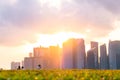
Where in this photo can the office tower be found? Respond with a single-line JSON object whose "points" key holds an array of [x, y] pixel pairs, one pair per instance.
{"points": [[118, 60], [39, 58], [90, 59], [103, 57], [73, 54], [39, 51], [81, 55], [54, 57], [32, 63], [39, 61], [94, 46], [36, 51], [67, 58], [47, 58], [28, 63], [15, 65], [114, 54]]}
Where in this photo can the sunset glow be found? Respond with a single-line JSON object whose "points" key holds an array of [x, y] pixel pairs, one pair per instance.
{"points": [[47, 40], [27, 24]]}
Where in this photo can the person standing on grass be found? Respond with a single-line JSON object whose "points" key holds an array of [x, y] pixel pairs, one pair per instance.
{"points": [[39, 66]]}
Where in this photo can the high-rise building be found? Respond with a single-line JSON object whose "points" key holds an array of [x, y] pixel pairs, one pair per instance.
{"points": [[81, 55], [67, 55], [39, 58], [73, 54], [54, 57], [90, 59], [114, 54], [15, 65], [47, 58], [28, 63], [40, 51], [118, 60], [36, 52], [94, 46], [31, 63], [103, 57]]}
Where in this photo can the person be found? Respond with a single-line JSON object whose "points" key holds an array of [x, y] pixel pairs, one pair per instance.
{"points": [[18, 68], [39, 66], [22, 67]]}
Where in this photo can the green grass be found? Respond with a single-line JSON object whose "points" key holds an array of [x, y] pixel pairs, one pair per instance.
{"points": [[60, 75]]}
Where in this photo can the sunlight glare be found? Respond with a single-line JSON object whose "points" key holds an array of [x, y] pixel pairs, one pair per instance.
{"points": [[114, 34], [47, 40]]}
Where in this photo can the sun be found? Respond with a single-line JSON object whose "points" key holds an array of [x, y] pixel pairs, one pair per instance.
{"points": [[47, 40], [51, 3]]}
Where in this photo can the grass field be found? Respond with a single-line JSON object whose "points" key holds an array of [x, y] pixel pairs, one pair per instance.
{"points": [[60, 75]]}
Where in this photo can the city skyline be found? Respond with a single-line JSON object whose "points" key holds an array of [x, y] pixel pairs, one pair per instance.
{"points": [[73, 56], [25, 24]]}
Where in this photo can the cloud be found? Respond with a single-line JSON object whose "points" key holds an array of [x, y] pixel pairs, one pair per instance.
{"points": [[15, 36], [110, 5], [113, 6], [21, 13], [17, 21], [22, 19], [89, 14]]}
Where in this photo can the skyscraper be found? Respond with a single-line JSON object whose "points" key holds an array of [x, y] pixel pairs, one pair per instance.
{"points": [[94, 46], [103, 57], [91, 59], [36, 52], [54, 57], [39, 51], [67, 55], [81, 55], [114, 54], [73, 54]]}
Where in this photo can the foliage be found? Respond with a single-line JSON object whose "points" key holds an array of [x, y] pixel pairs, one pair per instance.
{"points": [[59, 75]]}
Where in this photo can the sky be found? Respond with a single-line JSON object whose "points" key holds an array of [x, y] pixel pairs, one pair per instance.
{"points": [[22, 22]]}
